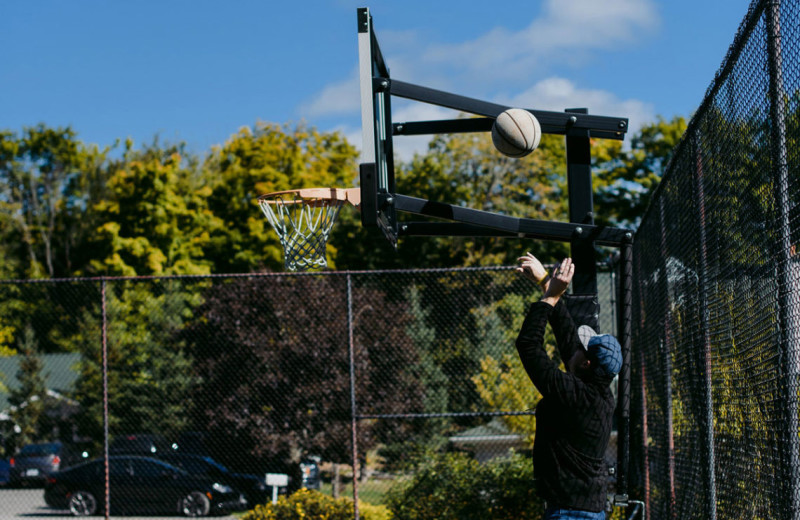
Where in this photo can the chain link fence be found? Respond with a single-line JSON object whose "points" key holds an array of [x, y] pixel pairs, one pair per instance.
{"points": [[716, 303], [303, 374], [296, 374]]}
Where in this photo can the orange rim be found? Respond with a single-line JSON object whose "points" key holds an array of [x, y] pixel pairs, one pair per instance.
{"points": [[311, 195]]}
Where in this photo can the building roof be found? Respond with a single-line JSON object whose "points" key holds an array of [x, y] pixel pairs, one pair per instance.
{"points": [[494, 431]]}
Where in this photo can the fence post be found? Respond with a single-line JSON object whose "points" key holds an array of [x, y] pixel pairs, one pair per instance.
{"points": [[645, 454], [353, 408], [623, 407], [104, 340], [613, 290], [789, 321], [645, 462], [665, 348], [705, 361]]}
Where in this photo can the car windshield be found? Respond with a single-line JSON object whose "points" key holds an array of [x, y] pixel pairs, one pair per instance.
{"points": [[152, 467], [199, 465], [215, 464], [40, 450]]}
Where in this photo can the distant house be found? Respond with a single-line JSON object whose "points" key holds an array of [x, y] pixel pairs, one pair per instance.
{"points": [[489, 441], [60, 372]]}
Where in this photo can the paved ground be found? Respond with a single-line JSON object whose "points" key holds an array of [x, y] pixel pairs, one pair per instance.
{"points": [[26, 503], [29, 503]]}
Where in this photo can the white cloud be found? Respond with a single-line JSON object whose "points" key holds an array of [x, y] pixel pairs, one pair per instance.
{"points": [[336, 98], [565, 31], [591, 24], [556, 94]]}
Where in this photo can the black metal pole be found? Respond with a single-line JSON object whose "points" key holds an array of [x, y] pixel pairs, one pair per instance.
{"points": [[353, 407], [551, 122], [583, 304], [788, 276], [624, 386]]}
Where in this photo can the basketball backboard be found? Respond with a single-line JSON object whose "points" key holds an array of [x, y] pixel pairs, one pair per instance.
{"points": [[376, 171]]}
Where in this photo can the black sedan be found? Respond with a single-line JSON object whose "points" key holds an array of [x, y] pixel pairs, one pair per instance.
{"points": [[139, 485], [254, 488]]}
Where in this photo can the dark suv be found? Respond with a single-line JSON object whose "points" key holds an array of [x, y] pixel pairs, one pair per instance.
{"points": [[35, 462]]}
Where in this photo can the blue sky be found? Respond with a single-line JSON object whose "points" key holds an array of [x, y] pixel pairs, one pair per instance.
{"points": [[198, 70]]}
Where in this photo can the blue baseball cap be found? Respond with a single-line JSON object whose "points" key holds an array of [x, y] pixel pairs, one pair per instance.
{"points": [[603, 349]]}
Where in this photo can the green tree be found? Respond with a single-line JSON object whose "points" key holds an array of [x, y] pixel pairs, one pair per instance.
{"points": [[28, 400], [7, 327], [150, 377], [47, 180], [430, 373], [156, 220], [624, 180], [428, 435], [264, 159], [502, 383]]}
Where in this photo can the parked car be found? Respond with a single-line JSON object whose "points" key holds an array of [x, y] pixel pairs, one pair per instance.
{"points": [[195, 443], [254, 487], [147, 444], [34, 462], [4, 472], [139, 485]]}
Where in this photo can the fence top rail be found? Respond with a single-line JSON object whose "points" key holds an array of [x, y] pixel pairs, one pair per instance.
{"points": [[247, 275], [20, 281]]}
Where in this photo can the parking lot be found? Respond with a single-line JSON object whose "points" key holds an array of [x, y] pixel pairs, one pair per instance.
{"points": [[29, 503], [26, 503]]}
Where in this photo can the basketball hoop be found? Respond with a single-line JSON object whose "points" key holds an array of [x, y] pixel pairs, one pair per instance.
{"points": [[303, 220]]}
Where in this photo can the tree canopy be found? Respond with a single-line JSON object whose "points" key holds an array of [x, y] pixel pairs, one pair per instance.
{"points": [[68, 208]]}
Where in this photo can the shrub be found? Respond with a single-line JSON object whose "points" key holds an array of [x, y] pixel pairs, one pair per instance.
{"points": [[307, 504], [456, 487], [373, 512]]}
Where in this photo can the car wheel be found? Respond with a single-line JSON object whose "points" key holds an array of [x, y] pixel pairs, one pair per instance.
{"points": [[82, 503], [195, 503]]}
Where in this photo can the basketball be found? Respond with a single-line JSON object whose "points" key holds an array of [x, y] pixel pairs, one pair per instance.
{"points": [[516, 133]]}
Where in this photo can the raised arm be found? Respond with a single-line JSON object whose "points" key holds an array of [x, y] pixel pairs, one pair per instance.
{"points": [[560, 318], [565, 331], [544, 373]]}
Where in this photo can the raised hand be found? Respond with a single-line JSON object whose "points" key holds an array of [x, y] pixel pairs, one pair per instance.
{"points": [[531, 268], [560, 280]]}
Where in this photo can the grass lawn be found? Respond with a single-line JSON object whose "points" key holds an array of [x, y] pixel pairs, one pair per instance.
{"points": [[371, 492]]}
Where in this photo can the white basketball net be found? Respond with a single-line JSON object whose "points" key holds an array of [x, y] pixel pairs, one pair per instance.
{"points": [[303, 226]]}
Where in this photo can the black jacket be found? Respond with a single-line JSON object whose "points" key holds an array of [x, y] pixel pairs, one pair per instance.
{"points": [[573, 419]]}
